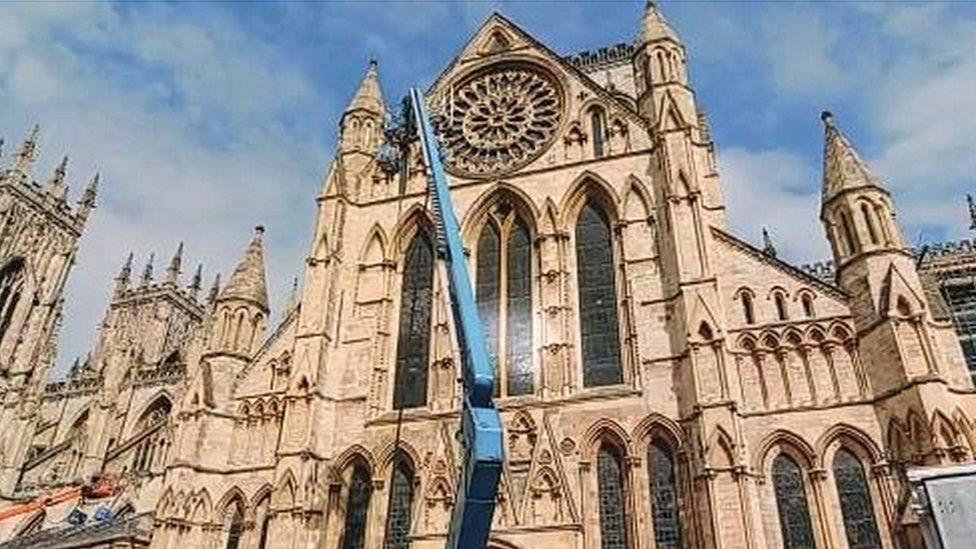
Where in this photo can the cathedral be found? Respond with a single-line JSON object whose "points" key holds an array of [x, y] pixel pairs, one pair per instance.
{"points": [[663, 383]]}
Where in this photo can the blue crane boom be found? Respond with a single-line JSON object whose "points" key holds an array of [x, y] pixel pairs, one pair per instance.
{"points": [[481, 425]]}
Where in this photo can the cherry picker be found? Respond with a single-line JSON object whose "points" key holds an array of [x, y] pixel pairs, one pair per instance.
{"points": [[481, 426]]}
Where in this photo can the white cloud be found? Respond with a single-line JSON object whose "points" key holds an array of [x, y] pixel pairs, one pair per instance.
{"points": [[774, 189], [184, 119]]}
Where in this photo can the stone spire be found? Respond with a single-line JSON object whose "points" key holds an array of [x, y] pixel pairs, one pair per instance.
{"points": [[197, 282], [147, 272], [768, 248], [972, 211], [58, 187], [125, 275], [27, 155], [369, 96], [175, 266], [654, 26], [843, 168], [247, 281], [87, 202]]}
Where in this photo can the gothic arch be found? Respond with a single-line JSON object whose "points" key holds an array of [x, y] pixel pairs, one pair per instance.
{"points": [[284, 494], [522, 203], [746, 342], [162, 398], [549, 222], [232, 496], [721, 449], [165, 503], [374, 246], [657, 425], [605, 430], [842, 435], [637, 191], [794, 444], [586, 186], [918, 433], [388, 454], [201, 505], [416, 218], [965, 426], [356, 453]]}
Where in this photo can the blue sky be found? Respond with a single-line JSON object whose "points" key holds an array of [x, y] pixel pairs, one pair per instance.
{"points": [[206, 119]]}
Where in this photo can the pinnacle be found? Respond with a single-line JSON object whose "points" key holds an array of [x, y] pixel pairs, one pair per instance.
{"points": [[768, 247], [175, 266], [654, 26], [843, 168], [369, 96], [247, 281], [972, 212]]}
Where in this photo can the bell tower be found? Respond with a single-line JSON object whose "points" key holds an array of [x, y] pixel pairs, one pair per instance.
{"points": [[39, 233]]}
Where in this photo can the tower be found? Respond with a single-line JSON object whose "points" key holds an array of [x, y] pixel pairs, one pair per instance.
{"points": [[907, 353], [39, 235], [361, 126]]}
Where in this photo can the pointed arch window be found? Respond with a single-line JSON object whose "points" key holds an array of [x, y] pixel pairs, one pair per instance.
{"points": [[853, 246], [401, 505], [748, 313], [11, 285], [504, 268], [599, 328], [613, 497], [791, 503], [869, 221], [780, 300], [357, 509], [236, 528], [598, 125], [855, 502], [664, 495], [413, 343]]}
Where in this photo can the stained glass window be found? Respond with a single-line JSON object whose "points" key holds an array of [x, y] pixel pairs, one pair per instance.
{"points": [[401, 503], [791, 503], [855, 502], [236, 529], [610, 479], [11, 280], [488, 288], [518, 358], [357, 509], [664, 496], [511, 274], [413, 341], [597, 299]]}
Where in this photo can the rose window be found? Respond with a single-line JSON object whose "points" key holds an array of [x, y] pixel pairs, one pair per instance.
{"points": [[499, 121]]}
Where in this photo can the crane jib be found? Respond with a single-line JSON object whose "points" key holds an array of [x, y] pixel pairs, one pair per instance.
{"points": [[481, 426]]}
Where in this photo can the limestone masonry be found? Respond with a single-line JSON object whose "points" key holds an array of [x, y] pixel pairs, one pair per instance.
{"points": [[663, 383]]}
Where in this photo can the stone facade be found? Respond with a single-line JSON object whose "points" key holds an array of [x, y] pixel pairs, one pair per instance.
{"points": [[663, 383]]}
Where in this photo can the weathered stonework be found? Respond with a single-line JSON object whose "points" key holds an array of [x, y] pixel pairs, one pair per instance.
{"points": [[735, 370]]}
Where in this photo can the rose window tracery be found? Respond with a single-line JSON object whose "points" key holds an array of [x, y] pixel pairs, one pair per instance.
{"points": [[500, 120]]}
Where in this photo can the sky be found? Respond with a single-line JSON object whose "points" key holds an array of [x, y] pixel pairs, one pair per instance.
{"points": [[208, 118]]}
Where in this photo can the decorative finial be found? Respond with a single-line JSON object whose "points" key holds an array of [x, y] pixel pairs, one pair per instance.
{"points": [[197, 281], [147, 273], [293, 298], [972, 211], [57, 188], [125, 275], [27, 153], [214, 290], [259, 229], [827, 118], [175, 266], [768, 247]]}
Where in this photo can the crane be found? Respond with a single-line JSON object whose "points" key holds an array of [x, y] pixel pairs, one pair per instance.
{"points": [[481, 425]]}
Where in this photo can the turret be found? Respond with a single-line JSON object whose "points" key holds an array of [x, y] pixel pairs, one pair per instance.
{"points": [[665, 97], [362, 123], [856, 207], [241, 309]]}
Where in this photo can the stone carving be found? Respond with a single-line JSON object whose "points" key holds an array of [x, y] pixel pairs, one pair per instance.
{"points": [[499, 120]]}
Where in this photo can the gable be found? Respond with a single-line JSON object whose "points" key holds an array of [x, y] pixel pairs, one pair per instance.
{"points": [[507, 102]]}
